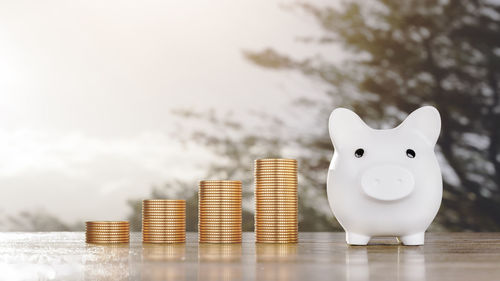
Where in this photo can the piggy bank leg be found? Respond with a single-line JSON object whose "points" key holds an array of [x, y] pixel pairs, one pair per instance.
{"points": [[356, 239], [413, 239]]}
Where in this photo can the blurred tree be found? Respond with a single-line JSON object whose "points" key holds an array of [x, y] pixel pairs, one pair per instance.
{"points": [[234, 150], [38, 220], [401, 55]]}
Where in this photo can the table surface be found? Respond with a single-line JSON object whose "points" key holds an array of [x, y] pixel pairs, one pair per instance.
{"points": [[318, 256]]}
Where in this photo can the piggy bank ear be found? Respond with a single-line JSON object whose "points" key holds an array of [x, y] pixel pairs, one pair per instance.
{"points": [[425, 121], [345, 126]]}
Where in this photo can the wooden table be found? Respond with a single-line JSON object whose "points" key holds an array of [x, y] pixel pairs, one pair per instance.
{"points": [[318, 256]]}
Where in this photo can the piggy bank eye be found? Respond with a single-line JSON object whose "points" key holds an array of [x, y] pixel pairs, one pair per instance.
{"points": [[410, 153], [359, 152]]}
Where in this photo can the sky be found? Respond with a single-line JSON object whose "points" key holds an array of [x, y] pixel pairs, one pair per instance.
{"points": [[87, 89]]}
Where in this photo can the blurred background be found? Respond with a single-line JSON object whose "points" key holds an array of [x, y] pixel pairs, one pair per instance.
{"points": [[106, 103]]}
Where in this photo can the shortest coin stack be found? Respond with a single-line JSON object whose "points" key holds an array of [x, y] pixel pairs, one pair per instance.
{"points": [[163, 221], [107, 232]]}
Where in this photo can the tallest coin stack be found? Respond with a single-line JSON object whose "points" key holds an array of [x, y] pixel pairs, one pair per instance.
{"points": [[276, 201]]}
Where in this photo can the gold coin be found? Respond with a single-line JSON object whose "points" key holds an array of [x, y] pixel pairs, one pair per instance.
{"points": [[210, 204], [286, 169], [219, 227], [88, 229], [219, 219], [163, 238], [276, 209], [276, 160], [276, 194], [214, 215], [218, 214], [121, 239], [220, 211], [277, 241], [107, 226], [220, 187], [276, 236], [165, 200], [161, 234], [281, 229], [165, 226], [164, 229], [274, 170], [164, 211], [275, 198], [220, 181], [258, 173], [220, 193], [106, 242], [277, 181], [162, 205], [163, 221], [290, 188], [169, 208], [237, 241], [106, 223], [273, 191], [215, 237], [214, 234], [275, 222], [278, 201], [107, 232], [164, 215], [124, 239], [163, 218], [220, 200], [106, 238], [164, 233], [277, 205], [276, 185], [278, 166], [164, 241]]}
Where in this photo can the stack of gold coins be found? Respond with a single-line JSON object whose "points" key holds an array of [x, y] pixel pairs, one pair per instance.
{"points": [[219, 217], [276, 202], [107, 232], [163, 221]]}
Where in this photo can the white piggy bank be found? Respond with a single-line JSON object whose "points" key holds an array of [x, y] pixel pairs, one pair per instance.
{"points": [[385, 182]]}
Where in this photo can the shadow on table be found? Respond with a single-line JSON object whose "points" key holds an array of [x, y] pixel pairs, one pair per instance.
{"points": [[385, 263]]}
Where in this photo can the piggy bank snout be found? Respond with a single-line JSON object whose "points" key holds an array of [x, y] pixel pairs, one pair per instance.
{"points": [[387, 182]]}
